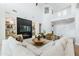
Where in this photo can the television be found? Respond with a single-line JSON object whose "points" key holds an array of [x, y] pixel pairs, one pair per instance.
{"points": [[24, 27]]}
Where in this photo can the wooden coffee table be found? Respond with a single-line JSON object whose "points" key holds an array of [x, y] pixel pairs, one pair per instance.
{"points": [[40, 42]]}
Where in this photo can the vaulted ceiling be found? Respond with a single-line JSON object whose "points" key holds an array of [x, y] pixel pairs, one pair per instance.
{"points": [[56, 6], [30, 10]]}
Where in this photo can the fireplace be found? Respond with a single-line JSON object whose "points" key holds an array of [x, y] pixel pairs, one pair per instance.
{"points": [[24, 27]]}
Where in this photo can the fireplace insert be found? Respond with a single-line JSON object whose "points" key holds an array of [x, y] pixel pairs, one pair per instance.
{"points": [[24, 27]]}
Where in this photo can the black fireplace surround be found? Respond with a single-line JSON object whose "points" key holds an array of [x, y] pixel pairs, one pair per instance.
{"points": [[24, 27]]}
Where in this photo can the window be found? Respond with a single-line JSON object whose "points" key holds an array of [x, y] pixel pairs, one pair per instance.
{"points": [[46, 10]]}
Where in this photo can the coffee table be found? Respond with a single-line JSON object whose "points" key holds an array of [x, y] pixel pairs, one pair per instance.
{"points": [[40, 42]]}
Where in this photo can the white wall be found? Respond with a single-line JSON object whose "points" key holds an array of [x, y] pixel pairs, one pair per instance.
{"points": [[77, 25], [75, 11], [2, 26], [65, 29], [48, 18], [46, 24], [61, 29], [2, 23], [25, 10]]}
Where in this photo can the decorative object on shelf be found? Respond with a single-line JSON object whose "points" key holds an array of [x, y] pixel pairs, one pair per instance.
{"points": [[33, 28], [9, 23]]}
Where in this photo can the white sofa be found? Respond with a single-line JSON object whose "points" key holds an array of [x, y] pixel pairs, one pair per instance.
{"points": [[10, 48], [61, 47]]}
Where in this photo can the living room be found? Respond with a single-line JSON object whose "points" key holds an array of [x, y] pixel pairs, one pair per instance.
{"points": [[40, 25]]}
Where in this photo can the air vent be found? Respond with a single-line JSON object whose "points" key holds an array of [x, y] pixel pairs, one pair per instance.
{"points": [[46, 10]]}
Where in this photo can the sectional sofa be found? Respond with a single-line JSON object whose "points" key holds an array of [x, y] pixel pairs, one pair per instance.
{"points": [[61, 47]]}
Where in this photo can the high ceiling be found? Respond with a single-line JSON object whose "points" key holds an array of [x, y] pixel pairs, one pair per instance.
{"points": [[56, 6], [30, 10]]}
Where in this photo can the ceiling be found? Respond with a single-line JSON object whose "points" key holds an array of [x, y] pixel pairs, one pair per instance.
{"points": [[30, 10], [56, 6]]}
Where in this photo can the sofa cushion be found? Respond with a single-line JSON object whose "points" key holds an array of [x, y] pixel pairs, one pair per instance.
{"points": [[69, 50], [58, 49], [33, 49], [47, 45], [5, 51], [22, 51], [10, 48], [53, 51]]}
